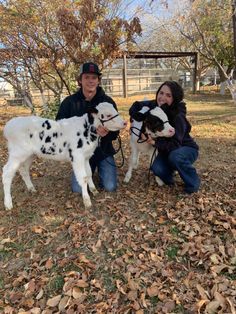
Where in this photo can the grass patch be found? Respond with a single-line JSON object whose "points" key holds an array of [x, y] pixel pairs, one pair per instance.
{"points": [[5, 255], [180, 309], [172, 252], [1, 282], [154, 301], [175, 231], [230, 276], [55, 285]]}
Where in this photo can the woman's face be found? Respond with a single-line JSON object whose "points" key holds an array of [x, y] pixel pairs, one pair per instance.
{"points": [[164, 96]]}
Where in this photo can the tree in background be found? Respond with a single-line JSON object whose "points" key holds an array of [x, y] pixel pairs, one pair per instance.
{"points": [[207, 25], [164, 37], [194, 25], [44, 42]]}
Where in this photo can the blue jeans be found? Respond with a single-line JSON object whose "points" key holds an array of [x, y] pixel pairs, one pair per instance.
{"points": [[107, 173], [180, 159]]}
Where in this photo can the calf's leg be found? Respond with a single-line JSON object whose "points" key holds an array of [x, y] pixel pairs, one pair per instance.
{"points": [[24, 171], [82, 178], [91, 185], [8, 173], [133, 163]]}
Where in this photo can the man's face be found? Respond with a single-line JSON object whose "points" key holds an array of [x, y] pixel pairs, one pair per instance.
{"points": [[89, 82]]}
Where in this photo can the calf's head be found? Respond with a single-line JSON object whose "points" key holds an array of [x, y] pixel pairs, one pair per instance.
{"points": [[105, 114], [156, 124]]}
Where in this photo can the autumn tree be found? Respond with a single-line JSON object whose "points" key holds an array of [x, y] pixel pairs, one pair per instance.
{"points": [[48, 40], [186, 25], [207, 25], [160, 35]]}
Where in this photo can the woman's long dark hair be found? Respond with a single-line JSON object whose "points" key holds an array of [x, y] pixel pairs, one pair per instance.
{"points": [[177, 94]]}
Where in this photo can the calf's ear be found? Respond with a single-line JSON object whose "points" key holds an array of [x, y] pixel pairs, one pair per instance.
{"points": [[92, 110]]}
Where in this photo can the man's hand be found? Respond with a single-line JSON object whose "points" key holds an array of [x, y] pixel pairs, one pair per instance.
{"points": [[102, 131], [148, 139]]}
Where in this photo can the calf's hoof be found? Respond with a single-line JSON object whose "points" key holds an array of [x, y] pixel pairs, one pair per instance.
{"points": [[159, 181], [94, 191], [127, 178], [32, 189], [87, 203], [8, 205]]}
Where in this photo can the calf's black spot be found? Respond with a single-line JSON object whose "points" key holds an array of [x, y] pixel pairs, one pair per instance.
{"points": [[48, 139], [49, 151], [43, 149], [46, 124], [80, 143], [93, 137], [70, 154], [86, 128]]}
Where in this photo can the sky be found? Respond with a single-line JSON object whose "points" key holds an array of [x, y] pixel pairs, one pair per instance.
{"points": [[141, 7], [157, 8]]}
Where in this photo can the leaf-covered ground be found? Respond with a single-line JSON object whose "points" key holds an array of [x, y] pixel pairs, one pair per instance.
{"points": [[143, 249]]}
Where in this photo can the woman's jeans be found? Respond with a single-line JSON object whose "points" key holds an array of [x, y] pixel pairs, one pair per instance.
{"points": [[180, 159], [107, 173]]}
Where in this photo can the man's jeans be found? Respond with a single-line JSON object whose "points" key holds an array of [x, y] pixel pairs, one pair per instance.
{"points": [[180, 159], [107, 173]]}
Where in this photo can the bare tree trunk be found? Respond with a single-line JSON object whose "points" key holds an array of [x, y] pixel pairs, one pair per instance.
{"points": [[223, 86], [28, 102], [226, 82], [197, 85], [44, 101], [232, 88]]}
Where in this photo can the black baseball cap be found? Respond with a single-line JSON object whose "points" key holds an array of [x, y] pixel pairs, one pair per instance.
{"points": [[89, 67]]}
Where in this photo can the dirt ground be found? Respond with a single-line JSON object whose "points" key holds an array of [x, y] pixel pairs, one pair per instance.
{"points": [[142, 249]]}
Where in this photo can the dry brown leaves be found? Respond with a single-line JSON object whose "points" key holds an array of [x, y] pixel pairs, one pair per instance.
{"points": [[142, 249]]}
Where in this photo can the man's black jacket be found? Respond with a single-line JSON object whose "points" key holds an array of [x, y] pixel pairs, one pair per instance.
{"points": [[76, 105]]}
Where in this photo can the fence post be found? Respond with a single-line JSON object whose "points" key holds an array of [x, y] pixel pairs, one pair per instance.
{"points": [[125, 94], [195, 72]]}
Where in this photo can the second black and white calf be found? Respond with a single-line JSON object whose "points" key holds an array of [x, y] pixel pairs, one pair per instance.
{"points": [[73, 140], [155, 124]]}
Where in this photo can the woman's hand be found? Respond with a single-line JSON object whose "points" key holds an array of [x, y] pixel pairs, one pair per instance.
{"points": [[148, 139], [102, 131]]}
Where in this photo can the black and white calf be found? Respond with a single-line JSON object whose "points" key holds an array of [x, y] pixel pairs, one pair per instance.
{"points": [[73, 139], [155, 124]]}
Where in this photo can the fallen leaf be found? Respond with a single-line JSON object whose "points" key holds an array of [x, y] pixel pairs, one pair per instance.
{"points": [[119, 287], [203, 293], [76, 293], [212, 307], [152, 291], [132, 295], [81, 283], [49, 263], [40, 294], [54, 301], [64, 302]]}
